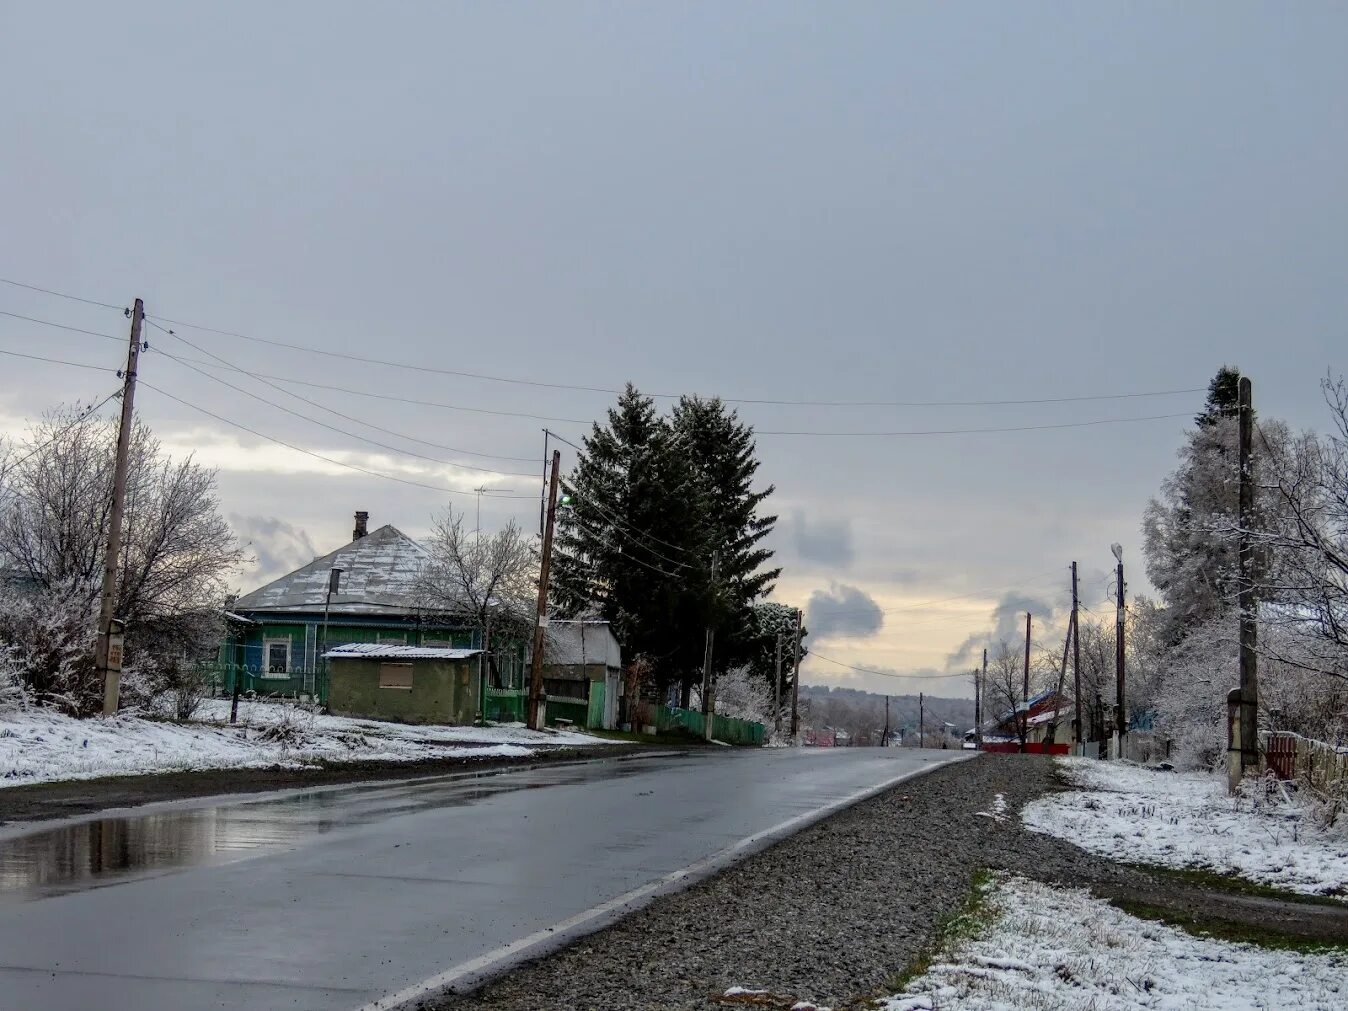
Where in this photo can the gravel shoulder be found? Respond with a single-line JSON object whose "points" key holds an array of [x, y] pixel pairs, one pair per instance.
{"points": [[834, 913], [72, 798]]}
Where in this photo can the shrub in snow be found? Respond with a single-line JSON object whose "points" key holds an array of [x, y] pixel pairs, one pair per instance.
{"points": [[48, 639], [743, 695]]}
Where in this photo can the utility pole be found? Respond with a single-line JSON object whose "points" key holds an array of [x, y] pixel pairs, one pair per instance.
{"points": [[708, 679], [1249, 682], [777, 688], [921, 720], [1120, 715], [537, 704], [1025, 692], [978, 701], [884, 738], [108, 647], [1080, 734], [795, 681]]}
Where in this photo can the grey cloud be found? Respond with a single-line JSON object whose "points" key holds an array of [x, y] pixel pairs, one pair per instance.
{"points": [[823, 540], [277, 546], [844, 609]]}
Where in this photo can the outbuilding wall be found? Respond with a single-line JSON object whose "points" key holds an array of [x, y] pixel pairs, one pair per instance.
{"points": [[443, 691]]}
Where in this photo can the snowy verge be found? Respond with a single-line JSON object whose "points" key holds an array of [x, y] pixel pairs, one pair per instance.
{"points": [[41, 745], [1049, 949], [1187, 820]]}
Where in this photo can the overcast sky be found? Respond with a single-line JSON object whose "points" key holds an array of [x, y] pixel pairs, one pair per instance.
{"points": [[920, 202]]}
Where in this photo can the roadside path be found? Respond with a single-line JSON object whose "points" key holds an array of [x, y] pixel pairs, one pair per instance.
{"points": [[832, 914]]}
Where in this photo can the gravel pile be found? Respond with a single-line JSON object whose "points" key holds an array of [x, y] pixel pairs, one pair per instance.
{"points": [[832, 914]]}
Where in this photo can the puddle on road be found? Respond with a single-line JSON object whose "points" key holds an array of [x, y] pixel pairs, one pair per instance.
{"points": [[93, 854]]}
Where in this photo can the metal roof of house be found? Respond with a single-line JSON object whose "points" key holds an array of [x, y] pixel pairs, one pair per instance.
{"points": [[379, 575], [396, 651]]}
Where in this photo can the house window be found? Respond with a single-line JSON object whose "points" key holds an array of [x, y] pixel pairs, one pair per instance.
{"points": [[277, 655], [396, 675], [437, 644], [392, 640]]}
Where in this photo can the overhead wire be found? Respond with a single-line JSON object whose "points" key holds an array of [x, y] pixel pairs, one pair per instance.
{"points": [[57, 361], [83, 416], [320, 456], [61, 326], [885, 673], [972, 431], [487, 377], [322, 424]]}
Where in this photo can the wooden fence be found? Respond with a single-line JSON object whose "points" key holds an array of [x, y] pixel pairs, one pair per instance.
{"points": [[1290, 756]]}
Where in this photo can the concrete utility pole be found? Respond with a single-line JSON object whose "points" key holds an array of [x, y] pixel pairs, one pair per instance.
{"points": [[921, 720], [1080, 734], [777, 688], [1120, 714], [108, 647], [1025, 692], [978, 701], [708, 678], [795, 681], [1249, 682], [537, 704]]}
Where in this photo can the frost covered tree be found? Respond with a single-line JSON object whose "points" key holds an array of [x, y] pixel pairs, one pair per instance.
{"points": [[1307, 544], [177, 557], [490, 581], [1004, 688]]}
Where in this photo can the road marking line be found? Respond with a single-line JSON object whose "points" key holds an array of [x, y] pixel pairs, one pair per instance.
{"points": [[556, 936]]}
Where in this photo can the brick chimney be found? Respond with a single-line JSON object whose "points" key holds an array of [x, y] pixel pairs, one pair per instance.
{"points": [[362, 525]]}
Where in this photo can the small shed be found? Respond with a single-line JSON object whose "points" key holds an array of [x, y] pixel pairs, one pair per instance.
{"points": [[410, 684]]}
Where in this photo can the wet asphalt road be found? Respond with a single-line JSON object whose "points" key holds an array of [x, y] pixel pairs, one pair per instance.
{"points": [[338, 897]]}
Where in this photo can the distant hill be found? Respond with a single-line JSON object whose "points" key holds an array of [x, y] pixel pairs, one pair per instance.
{"points": [[862, 713]]}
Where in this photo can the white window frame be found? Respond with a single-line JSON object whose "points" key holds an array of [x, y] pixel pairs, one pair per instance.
{"points": [[267, 644]]}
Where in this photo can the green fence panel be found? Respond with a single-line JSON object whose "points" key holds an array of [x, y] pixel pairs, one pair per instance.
{"points": [[595, 716], [723, 728], [506, 705], [574, 710]]}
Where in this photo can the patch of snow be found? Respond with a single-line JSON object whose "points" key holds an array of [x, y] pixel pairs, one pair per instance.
{"points": [[1050, 949], [40, 745], [997, 811], [1188, 820]]}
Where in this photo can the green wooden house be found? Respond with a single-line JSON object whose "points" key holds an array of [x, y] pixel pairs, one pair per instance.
{"points": [[280, 632], [409, 684]]}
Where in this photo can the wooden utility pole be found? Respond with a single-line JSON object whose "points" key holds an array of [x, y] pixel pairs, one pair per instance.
{"points": [[708, 678], [921, 720], [1120, 714], [777, 688], [1025, 691], [537, 706], [1249, 682], [884, 738], [795, 681], [1076, 662], [108, 647]]}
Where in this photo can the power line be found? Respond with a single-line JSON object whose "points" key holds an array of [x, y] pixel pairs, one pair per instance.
{"points": [[885, 673], [973, 431], [57, 361], [320, 456], [486, 377], [61, 326], [61, 294], [402, 400], [332, 428], [1000, 588], [64, 429], [613, 391]]}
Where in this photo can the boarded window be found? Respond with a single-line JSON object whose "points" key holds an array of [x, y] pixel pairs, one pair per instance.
{"points": [[395, 675]]}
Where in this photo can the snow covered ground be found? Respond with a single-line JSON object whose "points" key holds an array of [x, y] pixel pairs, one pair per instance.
{"points": [[1050, 949], [40, 745], [1188, 820]]}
